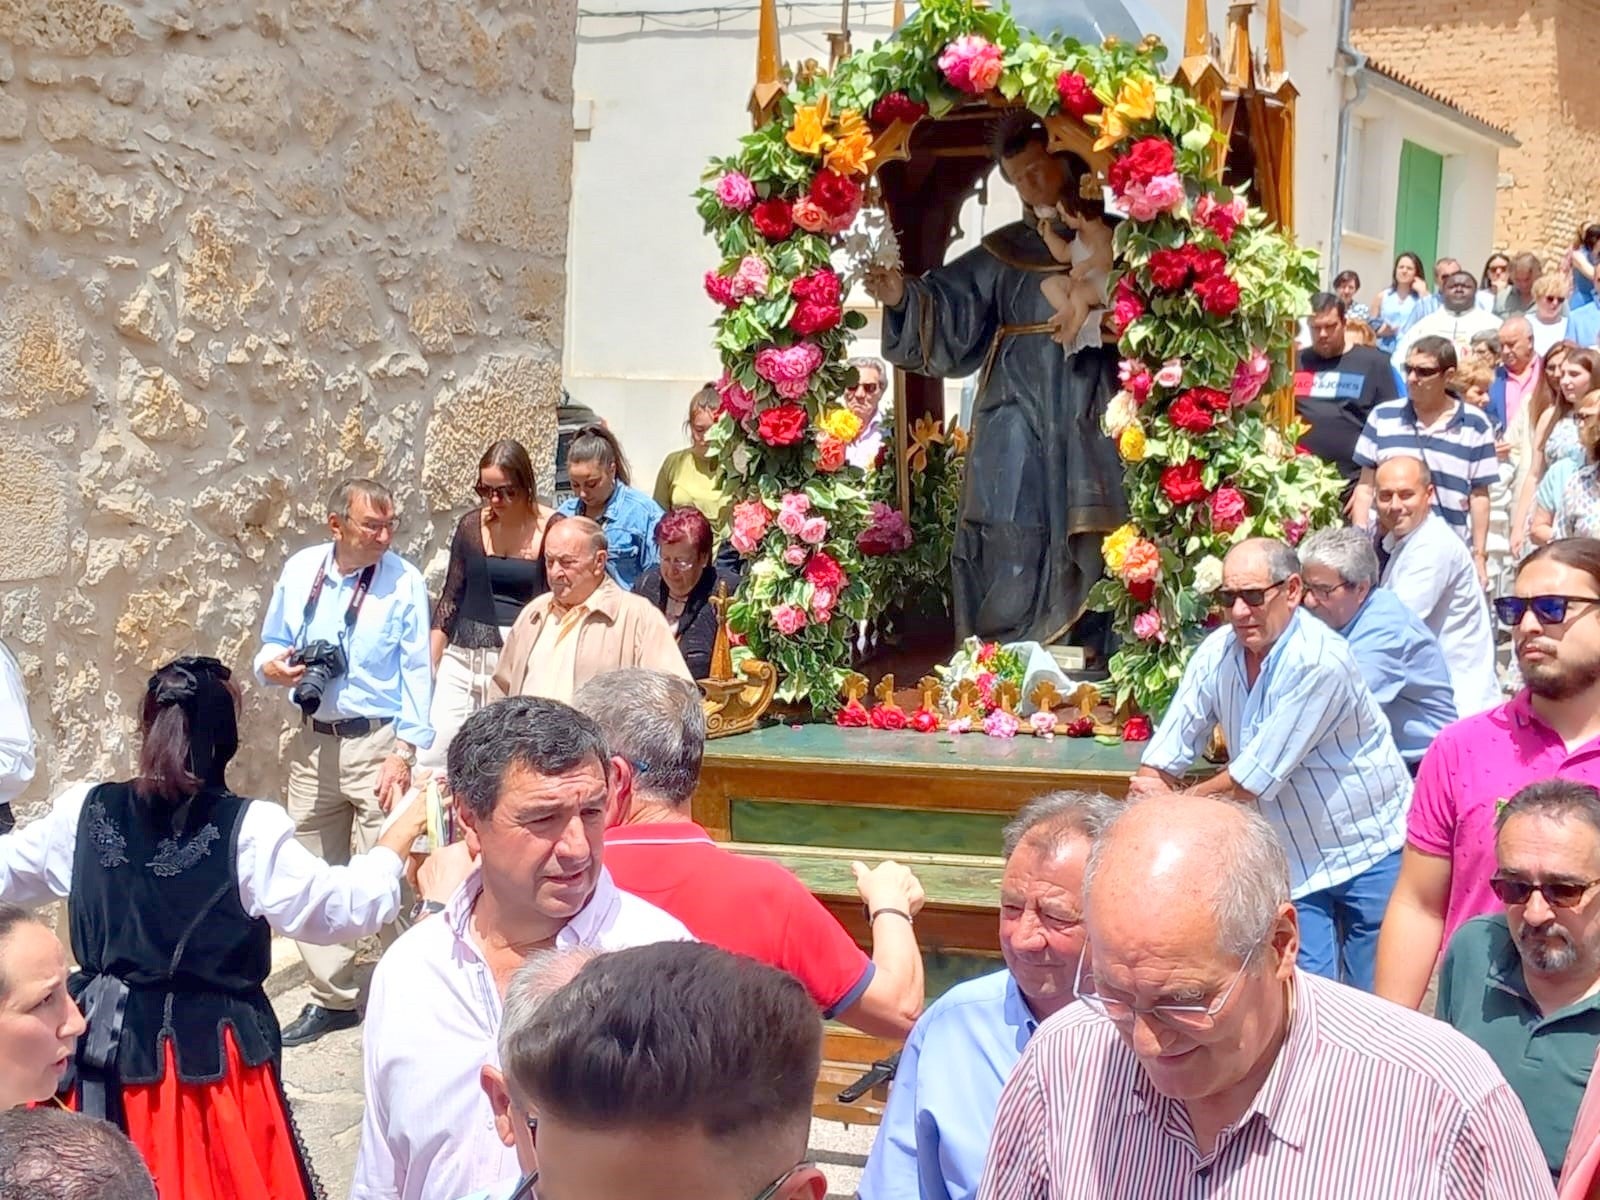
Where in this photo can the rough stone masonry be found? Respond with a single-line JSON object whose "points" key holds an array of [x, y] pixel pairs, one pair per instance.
{"points": [[248, 247]]}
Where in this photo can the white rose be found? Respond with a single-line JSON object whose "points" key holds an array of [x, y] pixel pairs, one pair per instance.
{"points": [[1272, 444], [1208, 574], [1120, 413]]}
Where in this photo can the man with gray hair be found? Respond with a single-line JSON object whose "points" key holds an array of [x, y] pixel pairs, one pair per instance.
{"points": [[346, 633], [1308, 746], [1202, 1062], [865, 399], [935, 1131], [656, 727], [47, 1154], [1398, 655]]}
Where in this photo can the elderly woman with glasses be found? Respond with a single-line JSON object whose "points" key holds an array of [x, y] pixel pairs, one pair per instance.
{"points": [[496, 568], [682, 583]]}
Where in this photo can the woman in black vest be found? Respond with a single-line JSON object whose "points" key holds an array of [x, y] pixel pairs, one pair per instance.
{"points": [[177, 885]]}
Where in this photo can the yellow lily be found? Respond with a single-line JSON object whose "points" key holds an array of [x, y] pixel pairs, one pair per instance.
{"points": [[958, 439], [1136, 102], [924, 435], [809, 134], [852, 145]]}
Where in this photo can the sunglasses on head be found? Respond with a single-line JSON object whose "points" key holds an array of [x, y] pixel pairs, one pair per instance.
{"points": [[488, 492], [1547, 610], [1561, 894], [1254, 597]]}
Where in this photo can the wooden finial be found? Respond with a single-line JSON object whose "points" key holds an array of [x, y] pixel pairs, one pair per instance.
{"points": [[1275, 58], [1239, 65], [967, 700], [1006, 695], [930, 689], [722, 649], [1084, 699], [769, 66], [1197, 30], [1045, 696], [885, 691], [899, 16], [853, 686]]}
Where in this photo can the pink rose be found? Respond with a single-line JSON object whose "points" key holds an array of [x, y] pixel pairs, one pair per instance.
{"points": [[822, 602], [790, 521], [814, 530], [789, 369], [1136, 378], [795, 554], [1295, 528], [1043, 724], [1171, 373], [750, 519], [799, 501], [735, 191], [1249, 377], [751, 278], [1147, 626], [789, 619], [736, 401], [720, 288], [1221, 217], [811, 216], [1228, 509], [971, 64], [1163, 194]]}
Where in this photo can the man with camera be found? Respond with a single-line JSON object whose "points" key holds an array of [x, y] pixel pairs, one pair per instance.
{"points": [[347, 632]]}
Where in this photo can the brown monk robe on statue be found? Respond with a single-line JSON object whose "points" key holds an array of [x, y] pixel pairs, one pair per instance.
{"points": [[1043, 483]]}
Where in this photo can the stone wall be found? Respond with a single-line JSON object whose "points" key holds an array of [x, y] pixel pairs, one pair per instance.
{"points": [[1525, 66], [248, 247]]}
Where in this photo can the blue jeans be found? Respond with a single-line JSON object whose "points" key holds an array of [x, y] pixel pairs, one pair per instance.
{"points": [[1339, 926]]}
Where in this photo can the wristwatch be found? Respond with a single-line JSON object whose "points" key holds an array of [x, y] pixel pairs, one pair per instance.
{"points": [[406, 754], [425, 908]]}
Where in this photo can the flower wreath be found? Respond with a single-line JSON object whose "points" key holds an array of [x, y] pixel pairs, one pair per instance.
{"points": [[1205, 297]]}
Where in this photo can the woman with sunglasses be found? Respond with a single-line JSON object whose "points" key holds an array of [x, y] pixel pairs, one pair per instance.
{"points": [[177, 886], [1570, 374], [1548, 317], [496, 568], [688, 477], [1496, 277]]}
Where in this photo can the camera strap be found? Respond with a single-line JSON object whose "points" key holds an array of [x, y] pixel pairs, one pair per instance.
{"points": [[363, 586]]}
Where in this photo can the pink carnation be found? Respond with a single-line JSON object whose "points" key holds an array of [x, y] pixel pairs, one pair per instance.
{"points": [[736, 401], [789, 369], [1162, 194], [735, 191], [814, 530], [971, 64], [749, 521], [1249, 377], [751, 278], [1221, 217], [1000, 724], [720, 288], [794, 554], [1147, 626], [1228, 509], [789, 619], [1043, 723]]}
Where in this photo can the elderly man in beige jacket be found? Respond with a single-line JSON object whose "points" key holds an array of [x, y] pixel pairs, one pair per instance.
{"points": [[584, 626]]}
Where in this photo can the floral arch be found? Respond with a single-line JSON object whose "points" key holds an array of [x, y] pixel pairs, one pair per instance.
{"points": [[1206, 296]]}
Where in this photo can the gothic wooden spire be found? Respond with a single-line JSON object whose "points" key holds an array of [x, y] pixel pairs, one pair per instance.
{"points": [[769, 66]]}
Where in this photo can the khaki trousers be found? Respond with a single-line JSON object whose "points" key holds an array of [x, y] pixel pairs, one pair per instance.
{"points": [[333, 800]]}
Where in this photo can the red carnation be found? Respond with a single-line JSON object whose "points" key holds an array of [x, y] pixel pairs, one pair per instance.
{"points": [[1206, 263], [1142, 590], [1213, 399], [720, 288], [925, 720], [783, 425], [1169, 269], [834, 194], [1079, 727], [818, 302], [1219, 294], [1189, 415], [1077, 97], [851, 716], [1182, 483], [1136, 729], [884, 717], [897, 106], [773, 219], [1145, 159], [822, 570], [1228, 509], [1139, 384]]}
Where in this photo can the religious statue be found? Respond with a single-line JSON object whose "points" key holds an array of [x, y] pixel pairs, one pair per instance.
{"points": [[1043, 484], [1082, 291]]}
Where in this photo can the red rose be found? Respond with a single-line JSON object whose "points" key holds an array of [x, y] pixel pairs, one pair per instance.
{"points": [[1206, 263], [773, 219], [925, 721], [1145, 159], [897, 106], [818, 302], [1169, 269], [782, 425], [1189, 415], [810, 318], [851, 716], [1136, 729], [884, 717], [1077, 97], [1219, 294], [823, 571], [1142, 590], [1182, 483], [1214, 400], [720, 288], [835, 194], [1079, 727], [1228, 509]]}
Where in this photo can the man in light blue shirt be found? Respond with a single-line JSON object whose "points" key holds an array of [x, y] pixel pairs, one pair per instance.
{"points": [[1398, 655], [1309, 747], [935, 1131], [346, 634]]}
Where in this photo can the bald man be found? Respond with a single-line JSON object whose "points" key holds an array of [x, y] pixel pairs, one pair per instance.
{"points": [[1201, 1062], [584, 626]]}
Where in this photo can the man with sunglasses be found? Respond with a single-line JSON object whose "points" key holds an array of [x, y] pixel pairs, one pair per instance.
{"points": [[1551, 728], [865, 399], [1201, 1062], [1525, 984], [1309, 748], [356, 741], [676, 1072]]}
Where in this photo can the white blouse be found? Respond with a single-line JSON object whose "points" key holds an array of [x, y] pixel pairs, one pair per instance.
{"points": [[298, 894]]}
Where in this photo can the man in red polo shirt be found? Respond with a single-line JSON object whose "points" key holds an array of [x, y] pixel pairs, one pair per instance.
{"points": [[1550, 728], [656, 728]]}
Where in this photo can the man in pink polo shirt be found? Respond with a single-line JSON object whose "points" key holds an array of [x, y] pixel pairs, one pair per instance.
{"points": [[1551, 727]]}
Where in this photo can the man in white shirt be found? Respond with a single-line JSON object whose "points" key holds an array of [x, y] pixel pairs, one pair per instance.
{"points": [[16, 736], [1433, 574], [1457, 318], [533, 783]]}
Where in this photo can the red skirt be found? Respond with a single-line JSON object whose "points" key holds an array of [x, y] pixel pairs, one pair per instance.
{"points": [[229, 1140]]}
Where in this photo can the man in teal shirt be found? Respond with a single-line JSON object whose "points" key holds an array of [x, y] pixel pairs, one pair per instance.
{"points": [[1525, 985]]}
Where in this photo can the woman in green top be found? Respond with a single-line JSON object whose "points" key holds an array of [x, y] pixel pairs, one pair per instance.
{"points": [[688, 478]]}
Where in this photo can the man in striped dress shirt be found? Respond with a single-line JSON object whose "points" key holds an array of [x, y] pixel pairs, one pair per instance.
{"points": [[1309, 748], [1201, 1063]]}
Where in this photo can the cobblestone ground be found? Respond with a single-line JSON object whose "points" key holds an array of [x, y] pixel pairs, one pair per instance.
{"points": [[324, 1084]]}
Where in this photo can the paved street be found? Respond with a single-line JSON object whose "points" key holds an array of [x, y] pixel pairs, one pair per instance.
{"points": [[324, 1084]]}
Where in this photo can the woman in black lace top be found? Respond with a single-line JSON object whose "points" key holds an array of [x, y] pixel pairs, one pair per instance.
{"points": [[496, 567]]}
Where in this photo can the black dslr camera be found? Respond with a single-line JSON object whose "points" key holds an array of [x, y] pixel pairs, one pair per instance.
{"points": [[324, 662]]}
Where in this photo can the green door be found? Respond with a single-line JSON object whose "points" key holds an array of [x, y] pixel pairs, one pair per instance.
{"points": [[1416, 210]]}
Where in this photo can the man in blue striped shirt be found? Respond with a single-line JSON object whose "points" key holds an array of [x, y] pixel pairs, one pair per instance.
{"points": [[1309, 747], [1455, 440]]}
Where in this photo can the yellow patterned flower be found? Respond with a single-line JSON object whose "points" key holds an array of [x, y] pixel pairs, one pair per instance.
{"points": [[841, 423], [852, 145], [958, 439], [1114, 549], [1131, 444], [924, 434], [1136, 102], [810, 132]]}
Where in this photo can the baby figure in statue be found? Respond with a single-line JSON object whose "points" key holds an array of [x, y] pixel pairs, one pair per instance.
{"points": [[1081, 290]]}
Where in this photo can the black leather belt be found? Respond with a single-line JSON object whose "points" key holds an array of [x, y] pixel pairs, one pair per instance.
{"points": [[351, 726]]}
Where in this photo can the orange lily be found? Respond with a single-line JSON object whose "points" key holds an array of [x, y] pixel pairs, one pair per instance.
{"points": [[1136, 102], [809, 134], [852, 145]]}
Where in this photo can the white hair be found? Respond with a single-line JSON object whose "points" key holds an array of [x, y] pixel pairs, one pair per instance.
{"points": [[544, 974]]}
